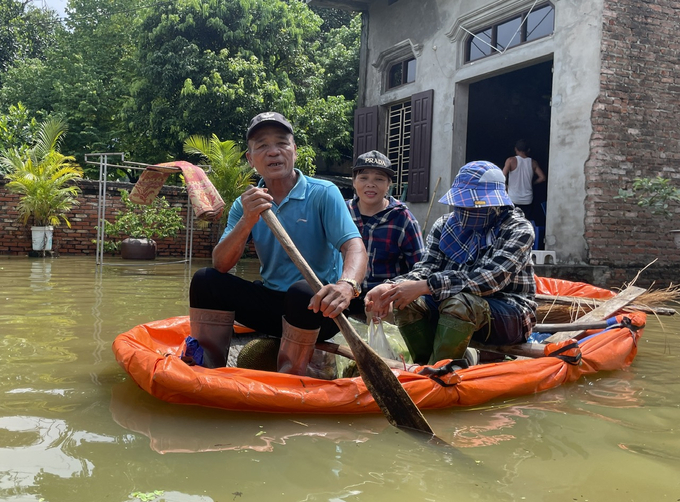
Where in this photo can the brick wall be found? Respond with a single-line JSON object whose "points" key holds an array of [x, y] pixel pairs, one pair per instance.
{"points": [[635, 134], [15, 239]]}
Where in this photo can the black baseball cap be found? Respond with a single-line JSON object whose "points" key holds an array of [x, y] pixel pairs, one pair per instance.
{"points": [[373, 160], [268, 118]]}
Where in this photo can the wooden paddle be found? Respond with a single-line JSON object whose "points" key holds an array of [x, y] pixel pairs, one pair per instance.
{"points": [[604, 311], [383, 385]]}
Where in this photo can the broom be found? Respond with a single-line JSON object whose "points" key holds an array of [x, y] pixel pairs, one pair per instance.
{"points": [[564, 309]]}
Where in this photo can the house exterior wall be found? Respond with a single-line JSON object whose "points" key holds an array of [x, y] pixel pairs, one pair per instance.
{"points": [[614, 108], [436, 29], [636, 133]]}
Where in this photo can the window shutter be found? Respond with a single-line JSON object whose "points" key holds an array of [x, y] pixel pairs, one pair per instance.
{"points": [[365, 130], [421, 146]]}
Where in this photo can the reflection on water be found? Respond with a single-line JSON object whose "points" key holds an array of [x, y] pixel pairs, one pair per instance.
{"points": [[74, 427], [216, 430]]}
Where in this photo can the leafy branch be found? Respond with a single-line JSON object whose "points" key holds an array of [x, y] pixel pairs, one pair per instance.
{"points": [[654, 193]]}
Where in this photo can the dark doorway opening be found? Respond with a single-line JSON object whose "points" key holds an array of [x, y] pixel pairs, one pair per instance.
{"points": [[509, 107]]}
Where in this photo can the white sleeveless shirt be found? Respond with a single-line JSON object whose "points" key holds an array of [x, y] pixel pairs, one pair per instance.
{"points": [[519, 182]]}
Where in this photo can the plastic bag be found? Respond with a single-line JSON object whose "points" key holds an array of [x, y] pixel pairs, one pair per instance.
{"points": [[378, 341]]}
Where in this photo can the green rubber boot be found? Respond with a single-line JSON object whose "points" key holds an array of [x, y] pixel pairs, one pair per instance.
{"points": [[451, 338], [419, 339]]}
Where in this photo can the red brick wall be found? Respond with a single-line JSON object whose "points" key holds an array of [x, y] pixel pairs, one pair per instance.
{"points": [[15, 238], [635, 134]]}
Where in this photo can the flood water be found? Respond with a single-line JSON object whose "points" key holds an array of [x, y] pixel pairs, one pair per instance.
{"points": [[74, 427]]}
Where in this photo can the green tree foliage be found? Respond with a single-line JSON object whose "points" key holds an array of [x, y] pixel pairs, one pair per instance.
{"points": [[85, 76], [141, 77], [654, 193], [332, 18], [25, 32], [340, 59], [208, 67], [17, 129]]}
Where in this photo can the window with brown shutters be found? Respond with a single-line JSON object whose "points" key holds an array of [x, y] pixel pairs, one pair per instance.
{"points": [[408, 142], [365, 130], [421, 146]]}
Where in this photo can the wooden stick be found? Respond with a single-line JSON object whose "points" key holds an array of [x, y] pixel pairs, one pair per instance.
{"points": [[524, 349], [571, 326], [532, 350], [383, 385], [604, 311], [431, 201]]}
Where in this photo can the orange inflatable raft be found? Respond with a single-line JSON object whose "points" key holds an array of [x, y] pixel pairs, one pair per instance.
{"points": [[150, 354]]}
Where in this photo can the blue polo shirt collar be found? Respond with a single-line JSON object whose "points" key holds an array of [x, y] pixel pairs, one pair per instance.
{"points": [[298, 191]]}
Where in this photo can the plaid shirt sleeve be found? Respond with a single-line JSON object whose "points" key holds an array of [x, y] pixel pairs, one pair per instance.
{"points": [[504, 267], [411, 245]]}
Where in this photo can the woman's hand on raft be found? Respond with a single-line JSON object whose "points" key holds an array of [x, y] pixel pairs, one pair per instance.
{"points": [[374, 302], [381, 299]]}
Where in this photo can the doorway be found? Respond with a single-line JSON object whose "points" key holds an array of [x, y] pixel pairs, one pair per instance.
{"points": [[509, 107]]}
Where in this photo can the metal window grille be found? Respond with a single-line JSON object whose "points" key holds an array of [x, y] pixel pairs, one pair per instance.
{"points": [[399, 145]]}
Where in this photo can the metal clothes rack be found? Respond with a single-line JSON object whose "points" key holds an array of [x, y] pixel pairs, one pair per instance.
{"points": [[102, 160]]}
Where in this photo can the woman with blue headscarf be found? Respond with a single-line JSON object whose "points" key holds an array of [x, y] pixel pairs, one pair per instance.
{"points": [[476, 280]]}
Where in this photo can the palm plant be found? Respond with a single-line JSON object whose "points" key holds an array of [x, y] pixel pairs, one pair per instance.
{"points": [[230, 174], [43, 177]]}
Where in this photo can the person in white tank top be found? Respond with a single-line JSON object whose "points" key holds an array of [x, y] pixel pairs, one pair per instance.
{"points": [[519, 173]]}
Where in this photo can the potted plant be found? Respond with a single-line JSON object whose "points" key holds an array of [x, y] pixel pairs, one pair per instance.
{"points": [[656, 194], [135, 228], [45, 181]]}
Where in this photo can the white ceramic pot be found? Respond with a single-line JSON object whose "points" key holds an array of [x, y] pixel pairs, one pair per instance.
{"points": [[676, 237], [42, 238]]}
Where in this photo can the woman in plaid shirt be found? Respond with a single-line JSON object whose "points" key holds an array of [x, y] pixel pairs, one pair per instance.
{"points": [[390, 232], [476, 279]]}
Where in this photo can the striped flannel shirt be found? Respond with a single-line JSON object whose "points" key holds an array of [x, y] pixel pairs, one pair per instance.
{"points": [[503, 270], [393, 241]]}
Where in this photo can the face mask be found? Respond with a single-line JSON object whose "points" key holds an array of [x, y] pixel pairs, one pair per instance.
{"points": [[475, 219], [467, 231]]}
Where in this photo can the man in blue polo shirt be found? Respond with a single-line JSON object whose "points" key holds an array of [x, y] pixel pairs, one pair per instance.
{"points": [[314, 214]]}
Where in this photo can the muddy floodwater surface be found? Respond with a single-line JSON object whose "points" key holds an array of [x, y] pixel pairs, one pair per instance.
{"points": [[74, 427]]}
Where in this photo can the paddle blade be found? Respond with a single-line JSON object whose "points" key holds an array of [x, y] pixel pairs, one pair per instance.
{"points": [[382, 383]]}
